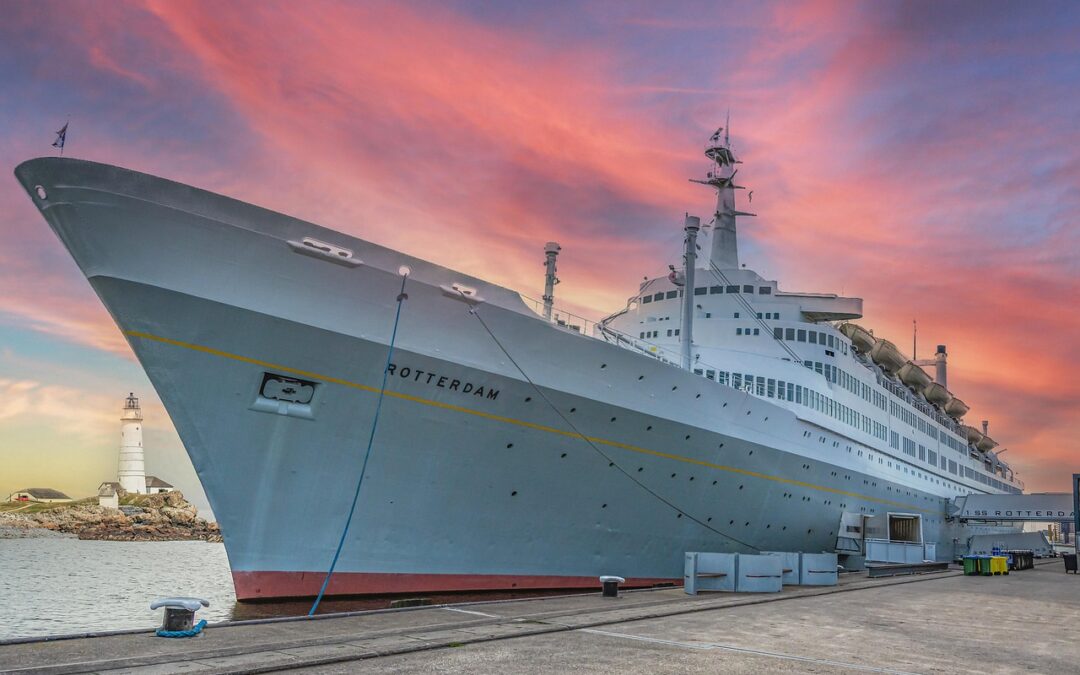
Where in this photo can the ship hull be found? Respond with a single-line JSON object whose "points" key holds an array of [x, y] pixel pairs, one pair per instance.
{"points": [[509, 453]]}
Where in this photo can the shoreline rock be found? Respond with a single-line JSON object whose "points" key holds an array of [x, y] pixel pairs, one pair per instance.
{"points": [[160, 517]]}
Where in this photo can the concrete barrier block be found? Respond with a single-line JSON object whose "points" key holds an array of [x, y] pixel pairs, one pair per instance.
{"points": [[709, 572], [818, 569], [759, 574], [789, 565]]}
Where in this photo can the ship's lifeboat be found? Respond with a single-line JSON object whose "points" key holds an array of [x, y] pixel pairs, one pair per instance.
{"points": [[886, 355], [973, 435], [956, 408], [937, 394], [986, 444], [860, 338], [914, 376]]}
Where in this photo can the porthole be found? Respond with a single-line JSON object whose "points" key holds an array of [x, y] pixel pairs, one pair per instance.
{"points": [[708, 520], [514, 493], [528, 398], [603, 365], [509, 445], [640, 469], [714, 482], [674, 387], [731, 522], [673, 475], [648, 428], [641, 377], [697, 396], [611, 464], [691, 478], [679, 515], [687, 437], [750, 453], [563, 455], [612, 419], [573, 410], [740, 487], [603, 506], [746, 524], [720, 446], [725, 405]]}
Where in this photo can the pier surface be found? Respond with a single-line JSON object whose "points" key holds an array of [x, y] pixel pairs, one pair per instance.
{"points": [[935, 623]]}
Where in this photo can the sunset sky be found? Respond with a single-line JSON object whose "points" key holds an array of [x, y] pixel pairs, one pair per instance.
{"points": [[922, 156]]}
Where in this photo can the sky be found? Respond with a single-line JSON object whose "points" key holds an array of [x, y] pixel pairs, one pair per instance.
{"points": [[924, 156]]}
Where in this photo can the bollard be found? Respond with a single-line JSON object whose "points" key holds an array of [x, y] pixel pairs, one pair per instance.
{"points": [[611, 585], [179, 619]]}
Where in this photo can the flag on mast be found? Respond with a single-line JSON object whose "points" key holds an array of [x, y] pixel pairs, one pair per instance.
{"points": [[61, 136]]}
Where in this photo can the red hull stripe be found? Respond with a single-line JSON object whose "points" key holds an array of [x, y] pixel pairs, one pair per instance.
{"points": [[266, 585]]}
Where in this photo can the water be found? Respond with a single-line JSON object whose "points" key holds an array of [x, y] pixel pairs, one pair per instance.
{"points": [[60, 586]]}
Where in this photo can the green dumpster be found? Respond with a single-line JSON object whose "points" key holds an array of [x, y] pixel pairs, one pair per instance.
{"points": [[971, 565]]}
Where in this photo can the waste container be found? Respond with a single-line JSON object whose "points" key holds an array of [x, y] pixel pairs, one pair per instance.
{"points": [[999, 564], [1070, 562], [971, 565]]}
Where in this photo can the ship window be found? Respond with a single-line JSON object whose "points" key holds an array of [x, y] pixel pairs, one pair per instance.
{"points": [[736, 315], [713, 290], [671, 294], [736, 380], [832, 341], [813, 337], [732, 289], [669, 332], [724, 377], [701, 290], [759, 386], [757, 331], [759, 315], [789, 334], [646, 300], [790, 391], [676, 331], [711, 374], [747, 289], [658, 296], [801, 335], [778, 333], [765, 290], [641, 336], [771, 393]]}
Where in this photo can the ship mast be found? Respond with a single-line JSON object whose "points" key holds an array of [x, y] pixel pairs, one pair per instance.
{"points": [[692, 225], [721, 176]]}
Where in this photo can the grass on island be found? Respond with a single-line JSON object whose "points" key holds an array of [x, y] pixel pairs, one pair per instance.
{"points": [[38, 507]]}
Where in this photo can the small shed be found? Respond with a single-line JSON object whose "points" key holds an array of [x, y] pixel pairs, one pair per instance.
{"points": [[107, 496], [155, 485], [46, 495]]}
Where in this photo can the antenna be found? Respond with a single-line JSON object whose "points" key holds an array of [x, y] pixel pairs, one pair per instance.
{"points": [[914, 339], [727, 128]]}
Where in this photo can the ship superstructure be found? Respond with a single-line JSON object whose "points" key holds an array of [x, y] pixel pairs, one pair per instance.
{"points": [[803, 351], [516, 446]]}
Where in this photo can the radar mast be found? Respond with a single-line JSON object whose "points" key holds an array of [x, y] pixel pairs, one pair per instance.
{"points": [[721, 176]]}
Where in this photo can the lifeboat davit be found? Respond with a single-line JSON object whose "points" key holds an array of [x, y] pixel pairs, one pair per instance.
{"points": [[973, 435], [956, 408], [986, 444], [914, 376], [860, 338], [937, 394], [886, 355]]}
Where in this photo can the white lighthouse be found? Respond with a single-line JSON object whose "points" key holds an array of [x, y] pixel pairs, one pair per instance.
{"points": [[132, 471]]}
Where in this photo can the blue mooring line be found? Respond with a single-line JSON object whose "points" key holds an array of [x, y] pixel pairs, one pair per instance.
{"points": [[371, 439]]}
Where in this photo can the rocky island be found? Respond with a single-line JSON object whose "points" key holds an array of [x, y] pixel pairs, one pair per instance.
{"points": [[159, 517]]}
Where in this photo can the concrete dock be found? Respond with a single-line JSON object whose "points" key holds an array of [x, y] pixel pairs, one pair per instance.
{"points": [[934, 623]]}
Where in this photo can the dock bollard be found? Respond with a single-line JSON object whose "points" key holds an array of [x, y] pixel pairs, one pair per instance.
{"points": [[611, 585], [179, 619]]}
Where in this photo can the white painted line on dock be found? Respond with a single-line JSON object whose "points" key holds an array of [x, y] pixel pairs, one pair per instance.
{"points": [[744, 650], [466, 611]]}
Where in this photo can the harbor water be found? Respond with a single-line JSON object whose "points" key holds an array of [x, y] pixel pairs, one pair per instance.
{"points": [[62, 586]]}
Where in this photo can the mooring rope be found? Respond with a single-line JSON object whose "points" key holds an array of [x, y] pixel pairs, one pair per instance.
{"points": [[371, 440], [592, 445], [192, 632]]}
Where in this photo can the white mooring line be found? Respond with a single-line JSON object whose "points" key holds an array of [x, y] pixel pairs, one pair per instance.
{"points": [[705, 646], [467, 611]]}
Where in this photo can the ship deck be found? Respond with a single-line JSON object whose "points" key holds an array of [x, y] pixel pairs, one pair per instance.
{"points": [[942, 622]]}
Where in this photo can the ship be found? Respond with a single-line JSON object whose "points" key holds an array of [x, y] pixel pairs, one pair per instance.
{"points": [[504, 443]]}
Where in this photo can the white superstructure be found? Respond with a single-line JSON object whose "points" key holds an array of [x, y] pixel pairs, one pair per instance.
{"points": [[132, 469]]}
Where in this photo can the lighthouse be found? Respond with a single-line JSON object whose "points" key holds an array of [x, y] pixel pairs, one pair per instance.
{"points": [[132, 471]]}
